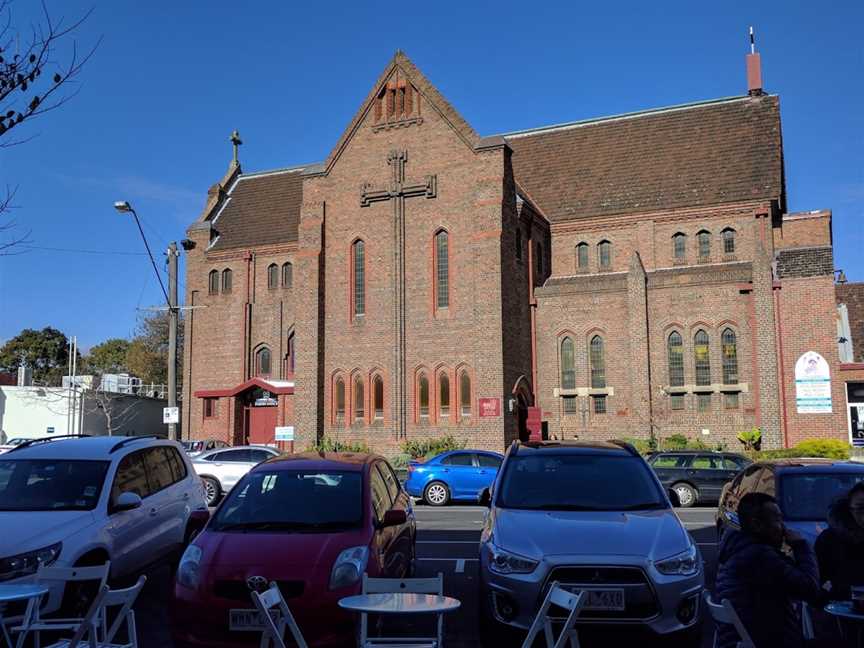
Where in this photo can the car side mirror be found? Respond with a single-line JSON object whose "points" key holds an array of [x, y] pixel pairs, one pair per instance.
{"points": [[394, 517], [673, 497], [127, 501], [485, 498]]}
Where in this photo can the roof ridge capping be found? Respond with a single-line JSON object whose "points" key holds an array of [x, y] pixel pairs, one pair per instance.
{"points": [[628, 115], [266, 172]]}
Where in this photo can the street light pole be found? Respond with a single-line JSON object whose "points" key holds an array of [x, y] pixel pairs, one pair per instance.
{"points": [[173, 315]]}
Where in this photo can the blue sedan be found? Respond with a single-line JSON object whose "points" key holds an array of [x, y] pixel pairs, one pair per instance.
{"points": [[453, 475]]}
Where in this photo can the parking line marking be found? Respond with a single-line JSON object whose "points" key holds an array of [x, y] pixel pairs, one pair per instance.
{"points": [[449, 559], [474, 542], [460, 565]]}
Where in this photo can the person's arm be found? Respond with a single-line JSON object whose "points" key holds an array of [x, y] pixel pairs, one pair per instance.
{"points": [[825, 557], [799, 579]]}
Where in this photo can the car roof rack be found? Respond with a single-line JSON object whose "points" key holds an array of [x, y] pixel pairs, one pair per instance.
{"points": [[132, 439], [32, 442]]}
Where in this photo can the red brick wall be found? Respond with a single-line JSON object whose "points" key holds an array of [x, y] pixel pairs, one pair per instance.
{"points": [[806, 229], [808, 322]]}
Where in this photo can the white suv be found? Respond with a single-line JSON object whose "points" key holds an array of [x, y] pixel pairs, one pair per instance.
{"points": [[222, 468], [68, 502]]}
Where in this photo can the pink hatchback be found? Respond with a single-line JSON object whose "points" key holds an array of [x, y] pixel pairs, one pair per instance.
{"points": [[314, 523]]}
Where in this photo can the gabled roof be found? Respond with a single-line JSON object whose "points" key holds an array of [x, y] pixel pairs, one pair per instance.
{"points": [[259, 209], [434, 99], [714, 152]]}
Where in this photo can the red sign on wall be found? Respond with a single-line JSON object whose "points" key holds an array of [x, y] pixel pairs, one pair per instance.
{"points": [[490, 407]]}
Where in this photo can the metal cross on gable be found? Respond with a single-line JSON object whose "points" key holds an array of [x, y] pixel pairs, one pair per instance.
{"points": [[397, 191], [397, 187]]}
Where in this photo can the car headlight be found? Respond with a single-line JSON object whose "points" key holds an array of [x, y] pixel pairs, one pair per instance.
{"points": [[189, 570], [349, 567], [685, 563], [507, 562], [28, 563]]}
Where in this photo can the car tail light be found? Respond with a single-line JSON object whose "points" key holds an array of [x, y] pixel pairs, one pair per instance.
{"points": [[411, 468]]}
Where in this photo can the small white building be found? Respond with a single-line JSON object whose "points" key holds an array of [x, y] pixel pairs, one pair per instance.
{"points": [[35, 412]]}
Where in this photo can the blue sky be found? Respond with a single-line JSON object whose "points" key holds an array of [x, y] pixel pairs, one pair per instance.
{"points": [[172, 79]]}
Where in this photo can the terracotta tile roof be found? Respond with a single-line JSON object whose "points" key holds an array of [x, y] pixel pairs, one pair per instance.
{"points": [[852, 294], [261, 209], [722, 151]]}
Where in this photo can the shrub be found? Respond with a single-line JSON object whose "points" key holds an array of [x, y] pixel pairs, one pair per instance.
{"points": [[751, 439], [427, 448], [643, 446], [334, 445], [828, 448], [400, 461]]}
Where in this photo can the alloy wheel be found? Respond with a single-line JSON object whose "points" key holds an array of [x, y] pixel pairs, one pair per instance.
{"points": [[211, 491], [436, 494], [685, 495]]}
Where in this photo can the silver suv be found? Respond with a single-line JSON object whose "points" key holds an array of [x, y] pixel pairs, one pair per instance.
{"points": [[594, 517]]}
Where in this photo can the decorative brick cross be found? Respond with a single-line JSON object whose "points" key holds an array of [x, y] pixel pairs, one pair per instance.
{"points": [[398, 191]]}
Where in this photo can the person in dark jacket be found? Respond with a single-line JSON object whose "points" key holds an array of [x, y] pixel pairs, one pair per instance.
{"points": [[761, 581], [840, 547]]}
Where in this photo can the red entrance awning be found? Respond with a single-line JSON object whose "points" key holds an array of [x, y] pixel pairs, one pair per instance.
{"points": [[273, 386]]}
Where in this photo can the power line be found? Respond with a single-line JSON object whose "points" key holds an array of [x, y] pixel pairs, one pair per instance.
{"points": [[80, 251]]}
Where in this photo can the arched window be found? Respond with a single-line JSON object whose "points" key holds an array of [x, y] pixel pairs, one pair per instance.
{"points": [[703, 239], [679, 246], [358, 279], [605, 254], [287, 275], [728, 241], [290, 355], [339, 398], [272, 276], [262, 362], [213, 282], [359, 397], [568, 364], [598, 363], [378, 397], [582, 256], [675, 354], [518, 242], [423, 389], [226, 280], [444, 395], [702, 356], [730, 357], [442, 270], [464, 394]]}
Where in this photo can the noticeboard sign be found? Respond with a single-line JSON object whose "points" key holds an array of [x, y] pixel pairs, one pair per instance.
{"points": [[812, 384], [285, 433], [170, 415], [490, 407]]}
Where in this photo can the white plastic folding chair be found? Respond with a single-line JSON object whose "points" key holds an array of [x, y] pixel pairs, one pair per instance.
{"points": [[543, 621], [94, 631], [33, 622], [407, 586], [276, 616], [724, 613]]}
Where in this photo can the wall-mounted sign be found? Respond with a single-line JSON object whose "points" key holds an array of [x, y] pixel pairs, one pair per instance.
{"points": [[266, 400], [285, 433], [50, 430], [490, 407], [812, 384]]}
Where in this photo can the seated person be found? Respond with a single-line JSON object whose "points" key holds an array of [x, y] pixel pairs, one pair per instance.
{"points": [[840, 547]]}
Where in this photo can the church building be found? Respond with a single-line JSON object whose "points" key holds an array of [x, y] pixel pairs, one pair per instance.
{"points": [[618, 277]]}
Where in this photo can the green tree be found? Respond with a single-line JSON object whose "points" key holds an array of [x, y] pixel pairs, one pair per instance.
{"points": [[108, 357], [147, 356], [45, 351]]}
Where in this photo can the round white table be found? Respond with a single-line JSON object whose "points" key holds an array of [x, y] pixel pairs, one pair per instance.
{"points": [[400, 603], [12, 592], [844, 610]]}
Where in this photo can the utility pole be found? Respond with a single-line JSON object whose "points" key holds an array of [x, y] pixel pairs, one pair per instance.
{"points": [[173, 315]]}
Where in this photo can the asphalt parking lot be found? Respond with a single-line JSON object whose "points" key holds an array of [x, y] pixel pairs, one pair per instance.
{"points": [[446, 543]]}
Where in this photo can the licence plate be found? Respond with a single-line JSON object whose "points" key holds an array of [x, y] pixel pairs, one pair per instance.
{"points": [[249, 620], [602, 599]]}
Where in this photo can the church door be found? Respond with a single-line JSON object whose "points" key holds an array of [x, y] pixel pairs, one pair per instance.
{"points": [[260, 418]]}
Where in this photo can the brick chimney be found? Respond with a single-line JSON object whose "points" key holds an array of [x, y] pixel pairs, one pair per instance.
{"points": [[754, 69]]}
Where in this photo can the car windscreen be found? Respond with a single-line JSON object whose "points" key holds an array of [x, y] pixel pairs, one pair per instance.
{"points": [[807, 496], [50, 484], [293, 500], [583, 482]]}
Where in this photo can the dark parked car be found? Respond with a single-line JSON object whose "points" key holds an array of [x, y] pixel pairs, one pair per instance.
{"points": [[453, 475], [697, 476], [804, 489]]}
